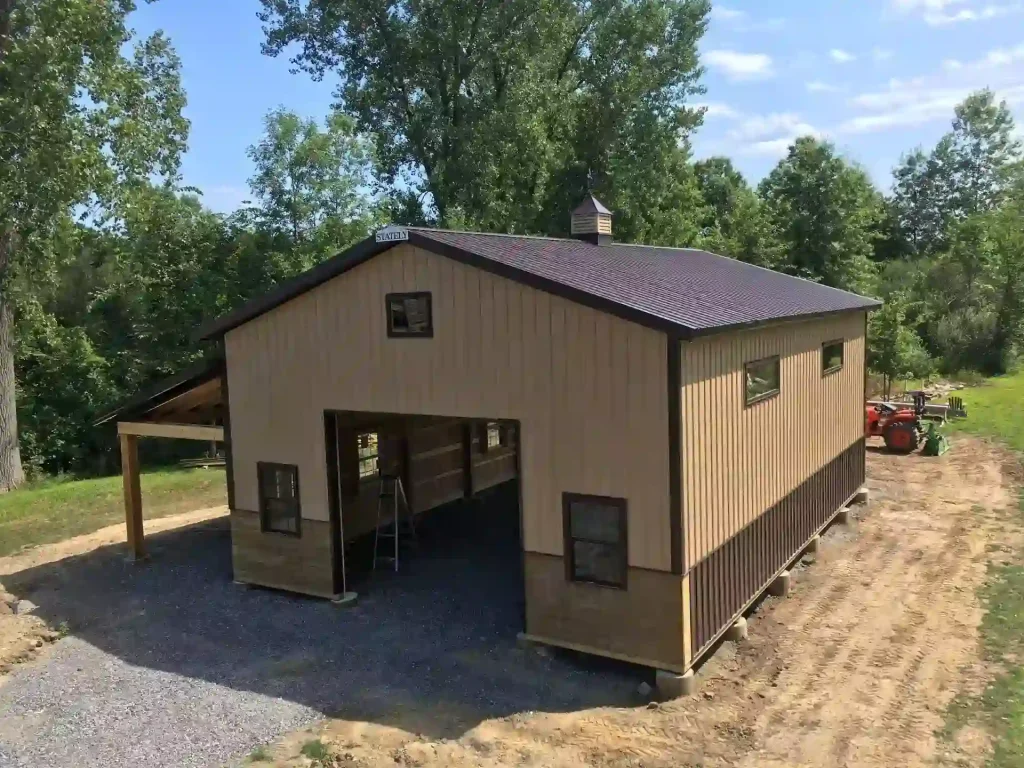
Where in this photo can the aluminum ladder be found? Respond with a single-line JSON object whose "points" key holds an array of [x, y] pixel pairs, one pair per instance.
{"points": [[391, 494]]}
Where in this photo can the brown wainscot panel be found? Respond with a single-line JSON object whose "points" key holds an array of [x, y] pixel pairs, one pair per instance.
{"points": [[643, 622], [294, 563], [724, 582]]}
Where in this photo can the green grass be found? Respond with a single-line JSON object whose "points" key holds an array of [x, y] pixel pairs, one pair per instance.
{"points": [[315, 750], [259, 755], [995, 409], [57, 509]]}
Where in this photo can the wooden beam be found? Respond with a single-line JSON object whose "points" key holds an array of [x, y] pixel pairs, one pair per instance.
{"points": [[179, 431], [132, 495]]}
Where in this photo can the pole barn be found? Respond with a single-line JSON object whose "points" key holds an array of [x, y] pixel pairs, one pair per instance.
{"points": [[676, 426]]}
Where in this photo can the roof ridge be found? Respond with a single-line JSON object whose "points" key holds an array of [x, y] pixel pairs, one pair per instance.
{"points": [[501, 234]]}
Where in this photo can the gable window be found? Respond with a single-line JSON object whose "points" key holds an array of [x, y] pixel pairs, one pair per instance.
{"points": [[410, 315], [831, 356], [595, 539], [763, 379], [368, 455], [280, 510]]}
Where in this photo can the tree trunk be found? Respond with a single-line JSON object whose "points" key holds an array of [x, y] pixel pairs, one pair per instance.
{"points": [[11, 474]]}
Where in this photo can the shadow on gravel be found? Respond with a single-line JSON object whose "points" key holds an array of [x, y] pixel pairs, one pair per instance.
{"points": [[431, 649]]}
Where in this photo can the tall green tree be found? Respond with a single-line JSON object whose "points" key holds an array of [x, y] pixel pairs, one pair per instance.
{"points": [[827, 214], [895, 350], [968, 173], [917, 205], [313, 184], [81, 122], [735, 223], [502, 114]]}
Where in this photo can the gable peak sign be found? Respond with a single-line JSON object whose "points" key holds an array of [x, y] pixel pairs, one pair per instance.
{"points": [[392, 234]]}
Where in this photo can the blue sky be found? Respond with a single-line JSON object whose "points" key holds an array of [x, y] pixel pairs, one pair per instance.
{"points": [[877, 77]]}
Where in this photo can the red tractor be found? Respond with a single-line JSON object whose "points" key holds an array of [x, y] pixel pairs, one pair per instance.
{"points": [[902, 428]]}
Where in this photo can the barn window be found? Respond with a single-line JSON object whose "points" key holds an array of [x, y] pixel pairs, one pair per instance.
{"points": [[368, 457], [279, 498], [762, 379], [595, 539], [410, 315], [493, 435], [831, 356]]}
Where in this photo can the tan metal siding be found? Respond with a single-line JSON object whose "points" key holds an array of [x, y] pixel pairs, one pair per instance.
{"points": [[738, 461], [588, 389]]}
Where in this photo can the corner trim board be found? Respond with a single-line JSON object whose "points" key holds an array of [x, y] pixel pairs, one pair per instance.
{"points": [[675, 489]]}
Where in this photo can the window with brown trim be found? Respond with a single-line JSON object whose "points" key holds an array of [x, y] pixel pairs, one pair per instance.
{"points": [[595, 539], [831, 356], [410, 315], [280, 510], [762, 379], [369, 459]]}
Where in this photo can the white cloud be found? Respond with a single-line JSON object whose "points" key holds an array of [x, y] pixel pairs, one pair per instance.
{"points": [[742, 21], [718, 109], [881, 54], [741, 66], [931, 98], [938, 13], [841, 56], [728, 14], [818, 86], [769, 135]]}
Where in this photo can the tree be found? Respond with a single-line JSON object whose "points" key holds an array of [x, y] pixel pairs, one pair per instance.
{"points": [[966, 174], [975, 157], [314, 184], [502, 114], [917, 205], [827, 213], [735, 222], [895, 350], [81, 122]]}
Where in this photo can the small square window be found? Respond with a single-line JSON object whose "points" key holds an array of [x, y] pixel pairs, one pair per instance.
{"points": [[410, 315], [595, 539], [831, 356], [493, 435], [369, 461], [763, 379], [280, 510]]}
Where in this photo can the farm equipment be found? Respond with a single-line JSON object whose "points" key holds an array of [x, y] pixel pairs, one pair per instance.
{"points": [[903, 428]]}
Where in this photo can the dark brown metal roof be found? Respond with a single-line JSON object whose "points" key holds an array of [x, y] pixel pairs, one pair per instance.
{"points": [[678, 290], [162, 391], [591, 205]]}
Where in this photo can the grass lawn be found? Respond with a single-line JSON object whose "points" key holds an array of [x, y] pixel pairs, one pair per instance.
{"points": [[996, 409], [54, 510]]}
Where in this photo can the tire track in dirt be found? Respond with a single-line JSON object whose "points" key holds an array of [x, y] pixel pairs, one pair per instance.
{"points": [[855, 668]]}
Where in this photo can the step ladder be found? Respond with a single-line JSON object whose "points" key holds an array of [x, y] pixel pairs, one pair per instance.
{"points": [[390, 501]]}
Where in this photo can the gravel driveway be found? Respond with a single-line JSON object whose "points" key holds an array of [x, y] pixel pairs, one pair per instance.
{"points": [[171, 664]]}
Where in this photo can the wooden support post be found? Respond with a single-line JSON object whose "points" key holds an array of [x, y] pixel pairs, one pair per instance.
{"points": [[132, 495]]}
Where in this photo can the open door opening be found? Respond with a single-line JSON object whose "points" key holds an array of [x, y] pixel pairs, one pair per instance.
{"points": [[460, 480]]}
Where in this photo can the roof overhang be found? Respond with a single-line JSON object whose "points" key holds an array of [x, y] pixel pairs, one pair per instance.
{"points": [[195, 396]]}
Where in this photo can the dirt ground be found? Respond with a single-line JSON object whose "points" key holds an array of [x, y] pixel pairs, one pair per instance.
{"points": [[854, 668], [25, 637]]}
